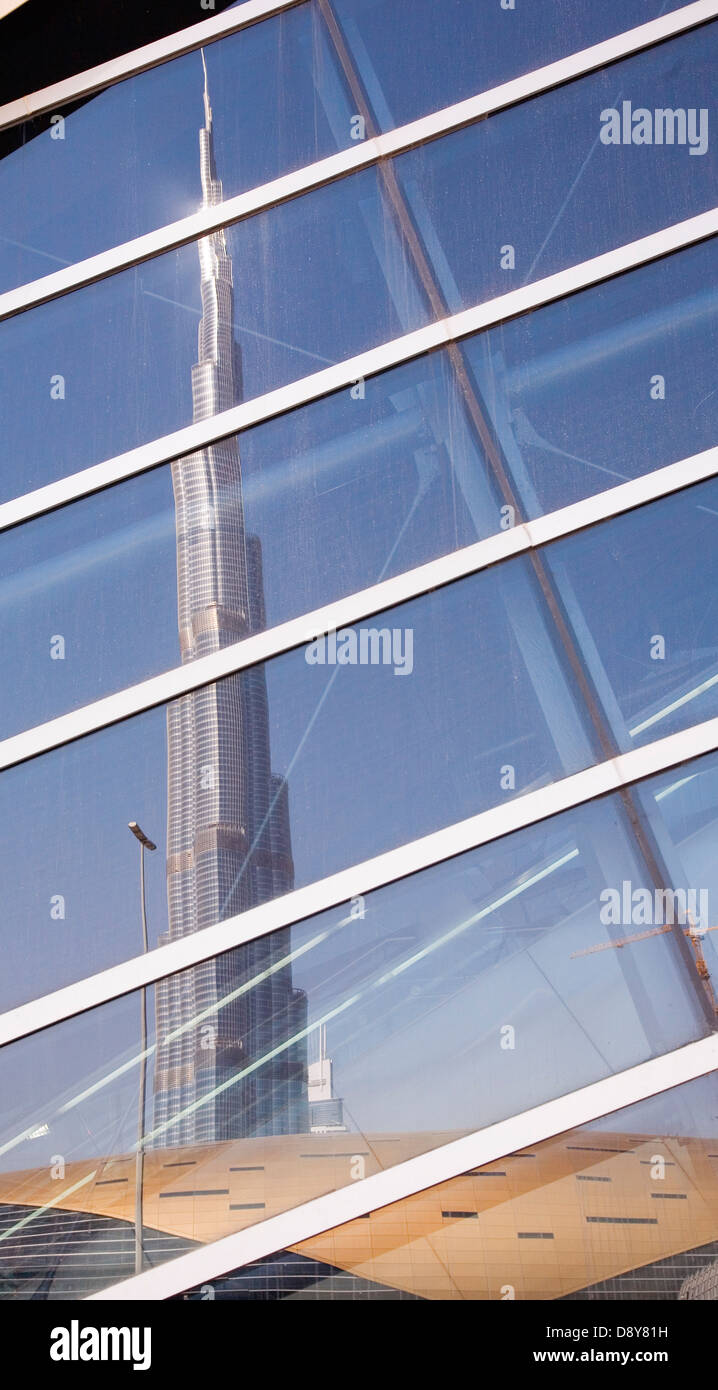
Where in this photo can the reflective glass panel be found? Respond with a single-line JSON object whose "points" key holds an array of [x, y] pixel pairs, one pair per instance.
{"points": [[585, 195], [354, 252], [472, 989], [195, 331], [462, 47], [607, 384], [639, 592], [622, 1209], [106, 169], [285, 773], [363, 484], [680, 810]]}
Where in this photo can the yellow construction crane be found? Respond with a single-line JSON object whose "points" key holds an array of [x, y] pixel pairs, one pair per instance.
{"points": [[691, 931]]}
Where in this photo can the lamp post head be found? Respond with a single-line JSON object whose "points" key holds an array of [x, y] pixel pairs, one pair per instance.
{"points": [[140, 835]]}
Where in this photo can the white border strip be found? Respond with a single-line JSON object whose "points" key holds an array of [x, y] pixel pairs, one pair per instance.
{"points": [[348, 161], [7, 7], [418, 1174], [83, 84], [341, 887], [365, 603], [366, 364]]}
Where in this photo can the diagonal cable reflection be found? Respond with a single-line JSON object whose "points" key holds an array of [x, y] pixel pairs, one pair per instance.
{"points": [[379, 981]]}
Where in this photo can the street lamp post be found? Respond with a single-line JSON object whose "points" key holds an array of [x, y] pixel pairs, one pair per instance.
{"points": [[144, 843]]}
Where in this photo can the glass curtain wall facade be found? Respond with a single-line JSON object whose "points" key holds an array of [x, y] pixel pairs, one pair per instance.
{"points": [[357, 552]]}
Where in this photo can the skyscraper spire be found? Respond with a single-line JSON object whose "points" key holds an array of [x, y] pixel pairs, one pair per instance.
{"points": [[228, 838], [211, 185], [207, 107]]}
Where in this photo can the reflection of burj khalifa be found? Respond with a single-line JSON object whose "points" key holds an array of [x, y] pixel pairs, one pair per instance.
{"points": [[228, 840]]}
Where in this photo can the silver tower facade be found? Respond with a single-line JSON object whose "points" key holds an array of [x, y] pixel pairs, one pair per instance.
{"points": [[228, 837]]}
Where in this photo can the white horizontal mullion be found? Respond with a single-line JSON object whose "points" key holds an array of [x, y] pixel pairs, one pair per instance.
{"points": [[353, 608], [364, 365], [360, 879], [345, 162], [290, 1228]]}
